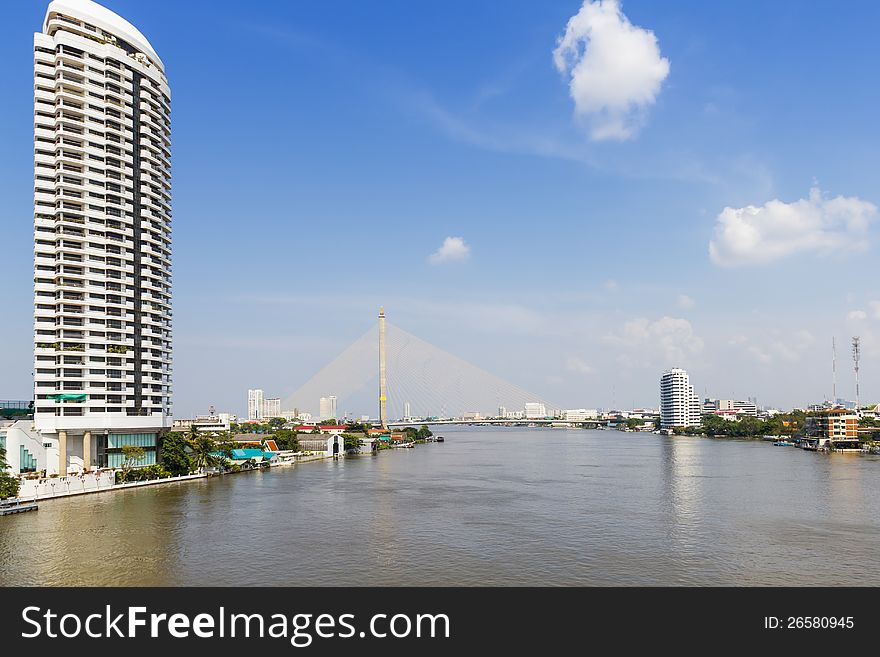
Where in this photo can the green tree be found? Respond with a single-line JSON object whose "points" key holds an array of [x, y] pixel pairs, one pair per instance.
{"points": [[8, 483], [175, 454], [287, 439], [351, 442], [132, 455], [424, 432], [224, 444], [331, 421], [203, 448], [277, 422]]}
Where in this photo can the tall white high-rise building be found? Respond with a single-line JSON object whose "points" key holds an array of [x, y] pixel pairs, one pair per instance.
{"points": [[255, 404], [679, 404], [272, 408], [327, 407], [102, 237]]}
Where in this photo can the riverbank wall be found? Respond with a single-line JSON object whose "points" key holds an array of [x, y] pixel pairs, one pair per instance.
{"points": [[104, 481]]}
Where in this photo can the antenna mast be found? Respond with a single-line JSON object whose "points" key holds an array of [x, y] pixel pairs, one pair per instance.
{"points": [[856, 354], [833, 371]]}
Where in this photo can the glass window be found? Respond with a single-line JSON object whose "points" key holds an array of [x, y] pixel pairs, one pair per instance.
{"points": [[117, 459], [120, 440]]}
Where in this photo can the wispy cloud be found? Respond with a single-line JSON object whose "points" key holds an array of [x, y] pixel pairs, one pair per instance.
{"points": [[685, 302], [786, 348], [575, 364], [642, 340]]}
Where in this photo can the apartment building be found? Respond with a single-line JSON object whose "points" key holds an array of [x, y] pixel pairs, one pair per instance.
{"points": [[102, 238]]}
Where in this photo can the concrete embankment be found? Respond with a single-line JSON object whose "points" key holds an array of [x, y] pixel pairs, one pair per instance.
{"points": [[102, 482]]}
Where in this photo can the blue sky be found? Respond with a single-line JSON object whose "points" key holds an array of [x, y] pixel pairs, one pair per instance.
{"points": [[323, 151]]}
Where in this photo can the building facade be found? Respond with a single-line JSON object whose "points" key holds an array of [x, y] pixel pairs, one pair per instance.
{"points": [[255, 404], [534, 411], [580, 414], [272, 408], [102, 238], [327, 407], [679, 404], [742, 407], [837, 426], [219, 423]]}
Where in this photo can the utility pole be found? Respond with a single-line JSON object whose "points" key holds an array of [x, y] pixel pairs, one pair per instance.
{"points": [[383, 396]]}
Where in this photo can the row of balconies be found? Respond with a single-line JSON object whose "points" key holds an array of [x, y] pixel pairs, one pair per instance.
{"points": [[89, 376]]}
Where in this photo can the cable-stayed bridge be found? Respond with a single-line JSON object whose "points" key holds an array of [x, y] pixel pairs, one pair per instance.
{"points": [[422, 381]]}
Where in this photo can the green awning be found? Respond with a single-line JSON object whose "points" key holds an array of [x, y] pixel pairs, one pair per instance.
{"points": [[65, 397]]}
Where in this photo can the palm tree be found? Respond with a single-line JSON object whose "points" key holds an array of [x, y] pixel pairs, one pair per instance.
{"points": [[203, 449]]}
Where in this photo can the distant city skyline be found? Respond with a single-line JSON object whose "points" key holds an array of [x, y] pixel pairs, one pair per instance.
{"points": [[574, 228]]}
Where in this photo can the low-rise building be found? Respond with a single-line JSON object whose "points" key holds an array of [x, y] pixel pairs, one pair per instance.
{"points": [[743, 407], [219, 423], [333, 429], [332, 445], [580, 415], [837, 428]]}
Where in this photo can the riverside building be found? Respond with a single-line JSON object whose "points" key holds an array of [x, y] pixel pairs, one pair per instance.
{"points": [[102, 241], [679, 405], [836, 427], [327, 407]]}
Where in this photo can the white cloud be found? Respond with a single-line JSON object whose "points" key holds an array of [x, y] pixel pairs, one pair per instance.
{"points": [[759, 235], [575, 364], [672, 338], [611, 285], [685, 302], [453, 248], [857, 315], [615, 67]]}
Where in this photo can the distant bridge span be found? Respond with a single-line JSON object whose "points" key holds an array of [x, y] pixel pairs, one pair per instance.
{"points": [[413, 379], [510, 423]]}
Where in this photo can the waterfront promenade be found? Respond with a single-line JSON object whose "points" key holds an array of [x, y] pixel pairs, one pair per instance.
{"points": [[47, 488]]}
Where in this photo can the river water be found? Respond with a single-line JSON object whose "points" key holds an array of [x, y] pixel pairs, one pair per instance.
{"points": [[490, 506]]}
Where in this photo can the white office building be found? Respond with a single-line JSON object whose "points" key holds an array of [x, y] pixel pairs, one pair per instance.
{"points": [[327, 407], [534, 411], [580, 414], [102, 238], [679, 405], [740, 407], [255, 404], [272, 408]]}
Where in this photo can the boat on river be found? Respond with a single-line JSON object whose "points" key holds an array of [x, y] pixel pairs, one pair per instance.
{"points": [[783, 443]]}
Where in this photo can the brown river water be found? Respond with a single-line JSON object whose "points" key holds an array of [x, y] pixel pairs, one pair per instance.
{"points": [[490, 506]]}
